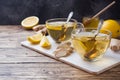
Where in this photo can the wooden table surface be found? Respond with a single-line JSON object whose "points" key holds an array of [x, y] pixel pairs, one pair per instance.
{"points": [[20, 63]]}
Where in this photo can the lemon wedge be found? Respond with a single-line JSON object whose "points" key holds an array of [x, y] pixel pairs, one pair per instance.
{"points": [[35, 39], [29, 22], [45, 42]]}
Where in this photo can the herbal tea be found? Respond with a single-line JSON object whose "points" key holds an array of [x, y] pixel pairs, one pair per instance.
{"points": [[93, 23], [60, 30], [88, 48]]}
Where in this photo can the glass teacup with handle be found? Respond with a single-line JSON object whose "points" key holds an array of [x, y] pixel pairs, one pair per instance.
{"points": [[59, 30], [88, 46]]}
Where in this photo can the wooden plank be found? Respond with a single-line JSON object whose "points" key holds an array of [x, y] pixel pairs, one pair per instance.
{"points": [[58, 69], [28, 70]]}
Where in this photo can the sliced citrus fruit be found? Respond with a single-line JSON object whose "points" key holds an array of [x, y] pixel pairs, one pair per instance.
{"points": [[35, 39], [29, 22], [45, 42], [54, 27], [81, 44], [80, 47]]}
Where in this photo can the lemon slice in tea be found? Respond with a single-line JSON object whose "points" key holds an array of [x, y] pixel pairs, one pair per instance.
{"points": [[29, 22], [54, 28], [79, 46], [55, 25]]}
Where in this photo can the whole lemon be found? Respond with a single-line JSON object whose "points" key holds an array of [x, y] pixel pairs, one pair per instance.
{"points": [[113, 26]]}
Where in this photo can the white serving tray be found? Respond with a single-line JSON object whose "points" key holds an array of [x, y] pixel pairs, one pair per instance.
{"points": [[109, 60]]}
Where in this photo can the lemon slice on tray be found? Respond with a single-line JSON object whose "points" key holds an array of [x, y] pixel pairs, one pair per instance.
{"points": [[45, 42], [29, 22], [35, 39]]}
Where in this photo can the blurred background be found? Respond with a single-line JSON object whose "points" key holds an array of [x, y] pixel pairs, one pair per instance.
{"points": [[14, 11]]}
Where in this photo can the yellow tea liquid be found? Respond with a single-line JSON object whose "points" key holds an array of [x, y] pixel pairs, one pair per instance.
{"points": [[59, 30], [92, 24], [88, 48]]}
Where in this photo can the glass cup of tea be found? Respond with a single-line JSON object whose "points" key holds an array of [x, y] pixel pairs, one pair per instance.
{"points": [[88, 46], [59, 30]]}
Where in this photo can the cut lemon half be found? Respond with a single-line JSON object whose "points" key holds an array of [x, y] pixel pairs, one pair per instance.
{"points": [[35, 39], [45, 42], [29, 22]]}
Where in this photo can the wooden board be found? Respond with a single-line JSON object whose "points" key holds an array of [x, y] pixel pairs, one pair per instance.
{"points": [[109, 60]]}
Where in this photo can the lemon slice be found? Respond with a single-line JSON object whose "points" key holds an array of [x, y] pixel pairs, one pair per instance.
{"points": [[80, 47], [35, 39], [54, 27], [81, 44], [45, 42], [29, 22]]}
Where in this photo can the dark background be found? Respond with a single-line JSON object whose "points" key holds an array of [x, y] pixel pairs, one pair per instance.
{"points": [[14, 11]]}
